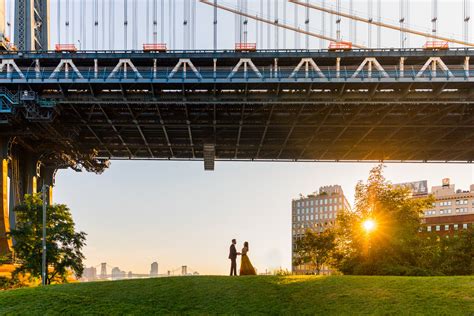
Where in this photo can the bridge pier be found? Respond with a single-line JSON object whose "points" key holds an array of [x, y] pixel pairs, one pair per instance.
{"points": [[21, 172]]}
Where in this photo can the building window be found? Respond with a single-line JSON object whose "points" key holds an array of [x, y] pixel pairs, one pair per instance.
{"points": [[325, 209], [446, 227], [457, 202], [437, 228], [455, 226], [464, 226], [428, 228], [330, 208], [325, 201]]}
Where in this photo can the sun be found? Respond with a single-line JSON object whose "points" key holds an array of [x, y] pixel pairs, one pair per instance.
{"points": [[369, 225]]}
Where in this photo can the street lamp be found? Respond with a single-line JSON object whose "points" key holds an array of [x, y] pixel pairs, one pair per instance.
{"points": [[44, 268]]}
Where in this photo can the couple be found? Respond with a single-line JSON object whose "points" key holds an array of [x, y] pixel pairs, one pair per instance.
{"points": [[246, 267]]}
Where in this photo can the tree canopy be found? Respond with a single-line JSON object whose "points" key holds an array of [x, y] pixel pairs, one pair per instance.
{"points": [[64, 243]]}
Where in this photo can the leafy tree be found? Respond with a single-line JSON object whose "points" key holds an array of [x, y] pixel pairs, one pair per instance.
{"points": [[457, 253], [315, 248], [63, 243], [394, 246]]}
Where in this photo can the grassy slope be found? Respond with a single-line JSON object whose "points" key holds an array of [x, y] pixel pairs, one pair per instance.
{"points": [[262, 294]]}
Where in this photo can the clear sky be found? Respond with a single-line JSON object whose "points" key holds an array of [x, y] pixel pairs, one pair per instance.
{"points": [[178, 214]]}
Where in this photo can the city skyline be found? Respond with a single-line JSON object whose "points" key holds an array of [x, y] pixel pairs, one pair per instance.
{"points": [[200, 222]]}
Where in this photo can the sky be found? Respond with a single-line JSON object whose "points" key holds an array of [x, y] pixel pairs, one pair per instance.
{"points": [[176, 213]]}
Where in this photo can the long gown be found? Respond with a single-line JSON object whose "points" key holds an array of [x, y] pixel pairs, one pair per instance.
{"points": [[246, 267]]}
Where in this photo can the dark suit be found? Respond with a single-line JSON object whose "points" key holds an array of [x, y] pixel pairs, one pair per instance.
{"points": [[233, 260]]}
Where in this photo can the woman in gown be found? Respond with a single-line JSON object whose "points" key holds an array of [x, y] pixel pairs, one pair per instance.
{"points": [[246, 267]]}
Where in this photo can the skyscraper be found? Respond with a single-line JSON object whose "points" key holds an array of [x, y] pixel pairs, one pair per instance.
{"points": [[315, 211], [154, 269]]}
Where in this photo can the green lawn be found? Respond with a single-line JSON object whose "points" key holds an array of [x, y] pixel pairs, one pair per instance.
{"points": [[334, 295]]}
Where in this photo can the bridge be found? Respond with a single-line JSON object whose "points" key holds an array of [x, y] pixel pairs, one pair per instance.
{"points": [[70, 108]]}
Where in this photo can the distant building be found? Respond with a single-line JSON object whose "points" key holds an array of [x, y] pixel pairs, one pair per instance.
{"points": [[452, 210], [118, 274], [103, 270], [154, 269], [315, 211], [90, 274]]}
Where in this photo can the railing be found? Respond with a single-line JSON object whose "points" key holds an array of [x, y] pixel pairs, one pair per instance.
{"points": [[225, 74]]}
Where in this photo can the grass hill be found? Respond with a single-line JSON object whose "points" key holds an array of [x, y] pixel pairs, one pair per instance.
{"points": [[334, 295]]}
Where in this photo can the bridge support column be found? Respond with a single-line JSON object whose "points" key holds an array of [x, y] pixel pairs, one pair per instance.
{"points": [[47, 177], [5, 243]]}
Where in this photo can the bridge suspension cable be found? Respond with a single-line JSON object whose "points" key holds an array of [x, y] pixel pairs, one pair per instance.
{"points": [[269, 22], [383, 24]]}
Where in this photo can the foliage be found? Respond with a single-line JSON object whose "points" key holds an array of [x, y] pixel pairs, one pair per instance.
{"points": [[396, 246], [315, 248], [63, 243], [251, 295]]}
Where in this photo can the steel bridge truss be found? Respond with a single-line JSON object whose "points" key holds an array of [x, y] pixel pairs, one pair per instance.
{"points": [[364, 105]]}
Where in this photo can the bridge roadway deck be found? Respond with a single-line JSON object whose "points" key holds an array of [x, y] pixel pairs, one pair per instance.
{"points": [[398, 108]]}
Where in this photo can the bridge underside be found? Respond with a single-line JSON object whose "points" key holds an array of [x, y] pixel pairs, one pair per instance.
{"points": [[300, 124]]}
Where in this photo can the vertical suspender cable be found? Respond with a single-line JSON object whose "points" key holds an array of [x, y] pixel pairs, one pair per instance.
{"points": [[174, 23], [9, 23], [125, 23], [331, 25], [277, 33], [193, 24], [59, 22], [66, 23], [407, 22], [215, 25], [103, 24], [260, 43], [162, 21], [81, 25], [269, 7], [338, 20], [306, 24], [379, 28], [84, 25], [170, 23], [323, 25], [134, 25], [402, 22], [237, 25], [467, 17], [369, 25], [351, 25], [284, 21], [185, 24], [155, 21], [111, 25], [96, 24], [245, 26], [147, 22], [296, 34], [434, 17]]}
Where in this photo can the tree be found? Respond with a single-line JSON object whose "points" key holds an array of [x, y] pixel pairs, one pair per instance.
{"points": [[63, 243], [395, 246], [315, 248]]}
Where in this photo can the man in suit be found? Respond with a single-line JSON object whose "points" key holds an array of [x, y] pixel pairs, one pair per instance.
{"points": [[233, 258]]}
